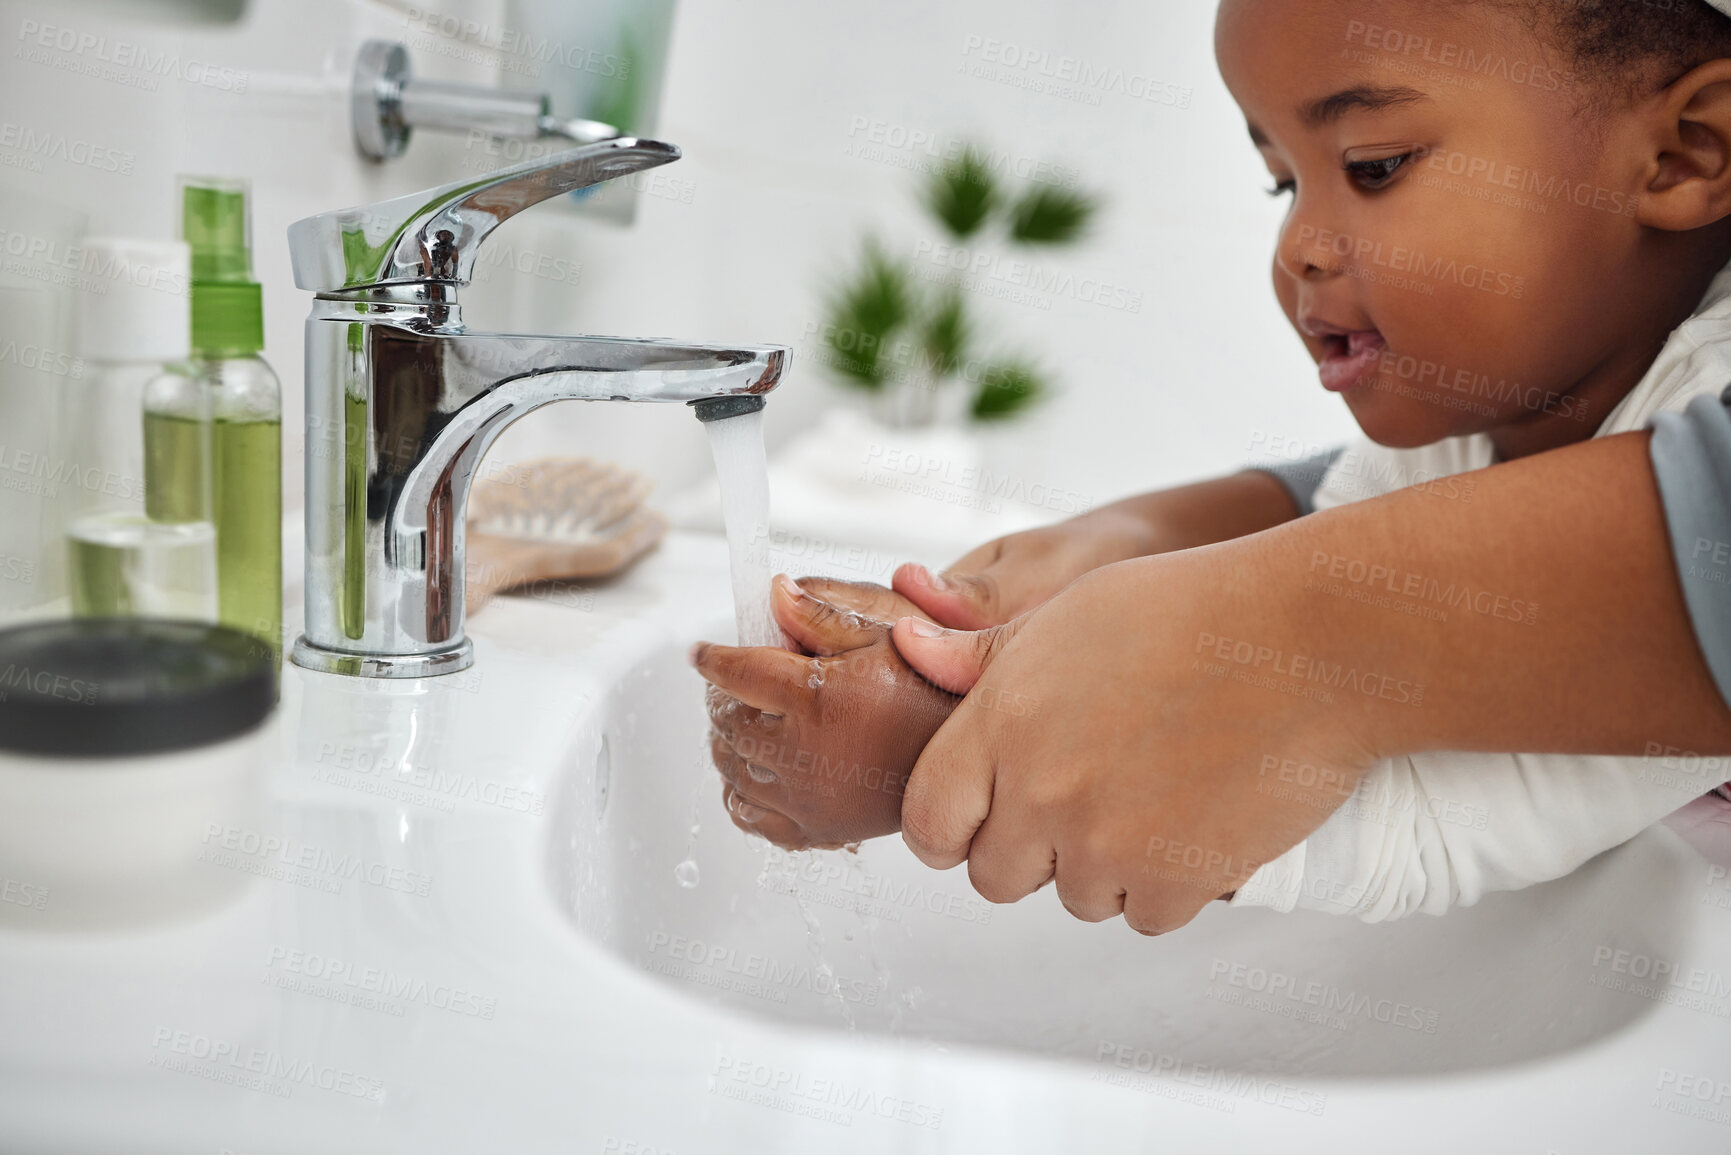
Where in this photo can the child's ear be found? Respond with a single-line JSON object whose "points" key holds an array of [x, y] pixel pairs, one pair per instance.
{"points": [[1687, 184]]}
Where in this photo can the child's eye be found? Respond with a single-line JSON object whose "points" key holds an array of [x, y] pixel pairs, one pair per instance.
{"points": [[1281, 188], [1371, 175]]}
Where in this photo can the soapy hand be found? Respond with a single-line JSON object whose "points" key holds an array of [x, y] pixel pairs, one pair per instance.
{"points": [[815, 748]]}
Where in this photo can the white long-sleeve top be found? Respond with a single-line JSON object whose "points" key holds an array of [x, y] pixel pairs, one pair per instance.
{"points": [[1430, 831]]}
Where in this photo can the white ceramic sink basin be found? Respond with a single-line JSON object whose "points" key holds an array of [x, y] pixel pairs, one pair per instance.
{"points": [[880, 943]]}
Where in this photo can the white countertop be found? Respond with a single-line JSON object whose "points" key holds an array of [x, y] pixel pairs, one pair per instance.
{"points": [[510, 1030]]}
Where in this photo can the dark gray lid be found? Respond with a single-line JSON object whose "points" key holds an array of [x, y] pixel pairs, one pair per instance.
{"points": [[119, 686]]}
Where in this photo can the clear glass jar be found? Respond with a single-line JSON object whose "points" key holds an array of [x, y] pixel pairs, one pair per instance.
{"points": [[141, 539]]}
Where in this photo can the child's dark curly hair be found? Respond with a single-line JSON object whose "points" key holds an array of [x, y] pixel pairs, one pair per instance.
{"points": [[1635, 42]]}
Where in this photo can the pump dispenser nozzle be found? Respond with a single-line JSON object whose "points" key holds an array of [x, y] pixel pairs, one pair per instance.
{"points": [[227, 304]]}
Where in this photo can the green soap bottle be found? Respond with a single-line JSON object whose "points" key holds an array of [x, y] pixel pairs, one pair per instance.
{"points": [[245, 406]]}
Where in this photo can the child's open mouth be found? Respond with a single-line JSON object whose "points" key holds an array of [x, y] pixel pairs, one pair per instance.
{"points": [[1347, 358]]}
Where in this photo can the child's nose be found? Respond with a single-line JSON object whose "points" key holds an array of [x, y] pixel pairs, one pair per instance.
{"points": [[1307, 250]]}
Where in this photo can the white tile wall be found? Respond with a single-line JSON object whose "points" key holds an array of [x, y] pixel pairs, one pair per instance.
{"points": [[790, 113]]}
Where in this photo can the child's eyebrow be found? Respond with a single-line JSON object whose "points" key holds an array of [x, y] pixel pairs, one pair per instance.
{"points": [[1365, 98], [1326, 110]]}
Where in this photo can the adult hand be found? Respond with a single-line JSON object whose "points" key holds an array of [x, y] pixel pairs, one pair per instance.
{"points": [[1105, 743]]}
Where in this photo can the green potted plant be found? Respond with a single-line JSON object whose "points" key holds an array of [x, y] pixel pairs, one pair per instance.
{"points": [[906, 334]]}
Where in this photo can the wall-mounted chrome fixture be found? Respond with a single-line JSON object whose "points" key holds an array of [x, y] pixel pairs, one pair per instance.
{"points": [[387, 104]]}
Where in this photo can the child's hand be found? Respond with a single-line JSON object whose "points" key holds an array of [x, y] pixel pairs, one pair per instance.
{"points": [[1012, 575], [815, 749]]}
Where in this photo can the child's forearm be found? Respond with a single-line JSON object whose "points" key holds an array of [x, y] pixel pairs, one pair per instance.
{"points": [[1203, 513], [1014, 574]]}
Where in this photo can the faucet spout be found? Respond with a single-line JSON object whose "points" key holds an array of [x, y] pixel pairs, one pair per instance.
{"points": [[403, 402]]}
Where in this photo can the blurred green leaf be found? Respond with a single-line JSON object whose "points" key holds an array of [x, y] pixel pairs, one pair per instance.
{"points": [[1007, 389], [864, 315], [1048, 215], [946, 334], [963, 193]]}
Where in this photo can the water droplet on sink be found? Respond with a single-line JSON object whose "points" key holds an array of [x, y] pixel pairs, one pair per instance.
{"points": [[686, 874], [603, 778]]}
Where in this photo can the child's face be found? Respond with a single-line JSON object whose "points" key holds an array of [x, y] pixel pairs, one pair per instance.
{"points": [[1452, 250]]}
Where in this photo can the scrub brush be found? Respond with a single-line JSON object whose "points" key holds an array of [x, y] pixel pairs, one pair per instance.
{"points": [[555, 519]]}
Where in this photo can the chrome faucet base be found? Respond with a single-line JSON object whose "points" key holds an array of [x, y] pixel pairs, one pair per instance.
{"points": [[309, 656], [403, 401]]}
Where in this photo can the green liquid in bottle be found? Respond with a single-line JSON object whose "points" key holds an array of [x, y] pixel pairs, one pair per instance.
{"points": [[248, 499], [174, 463]]}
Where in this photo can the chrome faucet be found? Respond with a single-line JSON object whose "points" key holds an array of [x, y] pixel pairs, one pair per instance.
{"points": [[402, 402]]}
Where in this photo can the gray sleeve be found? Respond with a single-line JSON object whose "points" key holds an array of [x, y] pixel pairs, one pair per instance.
{"points": [[1303, 478], [1691, 454]]}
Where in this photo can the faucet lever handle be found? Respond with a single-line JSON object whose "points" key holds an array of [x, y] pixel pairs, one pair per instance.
{"points": [[434, 235]]}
